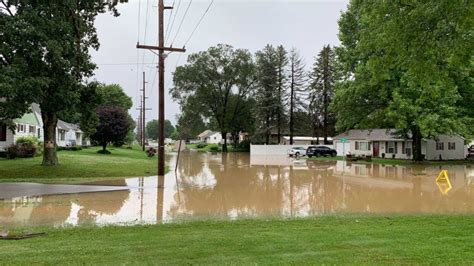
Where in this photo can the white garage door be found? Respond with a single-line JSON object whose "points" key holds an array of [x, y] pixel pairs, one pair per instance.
{"points": [[343, 148]]}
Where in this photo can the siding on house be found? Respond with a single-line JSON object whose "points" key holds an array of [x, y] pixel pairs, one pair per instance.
{"points": [[363, 142], [31, 124]]}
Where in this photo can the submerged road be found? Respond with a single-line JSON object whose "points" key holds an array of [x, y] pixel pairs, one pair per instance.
{"points": [[14, 190]]}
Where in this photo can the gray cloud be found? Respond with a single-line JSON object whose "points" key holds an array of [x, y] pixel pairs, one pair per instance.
{"points": [[306, 25]]}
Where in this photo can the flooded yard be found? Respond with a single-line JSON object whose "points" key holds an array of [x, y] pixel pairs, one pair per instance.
{"points": [[236, 185]]}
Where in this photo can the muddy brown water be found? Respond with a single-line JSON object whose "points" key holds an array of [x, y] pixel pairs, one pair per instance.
{"points": [[237, 185]]}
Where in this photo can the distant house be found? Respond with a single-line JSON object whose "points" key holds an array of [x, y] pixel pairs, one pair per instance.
{"points": [[302, 140], [31, 124], [386, 143], [202, 137]]}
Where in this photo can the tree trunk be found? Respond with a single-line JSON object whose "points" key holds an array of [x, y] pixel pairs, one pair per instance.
{"points": [[292, 106], [224, 137], [267, 131], [416, 137], [50, 121], [104, 146]]}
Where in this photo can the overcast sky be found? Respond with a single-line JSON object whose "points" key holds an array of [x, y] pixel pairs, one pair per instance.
{"points": [[250, 24]]}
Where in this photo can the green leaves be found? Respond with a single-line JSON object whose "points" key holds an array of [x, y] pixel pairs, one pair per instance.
{"points": [[408, 62]]}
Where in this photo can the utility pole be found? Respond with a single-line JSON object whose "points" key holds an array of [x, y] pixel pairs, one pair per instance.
{"points": [[143, 113], [141, 119], [161, 84]]}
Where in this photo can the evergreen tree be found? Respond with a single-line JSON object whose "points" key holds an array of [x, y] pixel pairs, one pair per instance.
{"points": [[282, 82], [267, 85], [323, 77], [297, 92]]}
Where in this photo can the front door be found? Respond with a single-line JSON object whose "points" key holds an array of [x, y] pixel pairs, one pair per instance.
{"points": [[375, 149]]}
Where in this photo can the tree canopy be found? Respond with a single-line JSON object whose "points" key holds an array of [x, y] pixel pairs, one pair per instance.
{"points": [[215, 83], [407, 66], [44, 58], [113, 126], [152, 129]]}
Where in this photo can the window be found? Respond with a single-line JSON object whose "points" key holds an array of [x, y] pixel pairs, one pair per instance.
{"points": [[391, 147], [62, 134], [361, 146], [20, 128], [39, 133], [3, 133], [32, 129], [439, 146], [451, 145]]}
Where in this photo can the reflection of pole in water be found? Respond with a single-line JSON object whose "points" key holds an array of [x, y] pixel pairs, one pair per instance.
{"points": [[141, 182], [291, 190], [160, 189]]}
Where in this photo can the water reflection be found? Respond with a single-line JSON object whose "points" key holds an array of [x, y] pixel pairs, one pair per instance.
{"points": [[236, 186]]}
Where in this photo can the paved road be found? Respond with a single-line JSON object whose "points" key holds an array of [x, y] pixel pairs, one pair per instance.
{"points": [[13, 190]]}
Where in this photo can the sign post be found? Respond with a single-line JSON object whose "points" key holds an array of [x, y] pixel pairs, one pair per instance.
{"points": [[343, 141]]}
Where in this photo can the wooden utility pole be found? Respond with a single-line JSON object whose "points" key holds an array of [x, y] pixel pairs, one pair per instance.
{"points": [[143, 113], [161, 84]]}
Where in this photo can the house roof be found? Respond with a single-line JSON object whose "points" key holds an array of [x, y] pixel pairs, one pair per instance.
{"points": [[303, 138], [210, 133], [370, 134], [204, 133]]}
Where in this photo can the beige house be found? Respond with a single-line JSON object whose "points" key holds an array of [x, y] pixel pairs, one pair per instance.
{"points": [[386, 143]]}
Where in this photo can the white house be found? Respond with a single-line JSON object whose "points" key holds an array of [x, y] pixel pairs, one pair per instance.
{"points": [[386, 143], [202, 137], [32, 124]]}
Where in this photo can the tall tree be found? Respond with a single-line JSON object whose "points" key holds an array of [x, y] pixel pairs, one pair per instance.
{"points": [[407, 65], [323, 78], [114, 95], [281, 61], [152, 129], [297, 87], [209, 81], [267, 85], [113, 126], [44, 56], [189, 124]]}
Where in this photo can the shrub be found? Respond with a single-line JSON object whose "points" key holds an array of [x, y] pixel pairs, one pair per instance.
{"points": [[214, 148], [28, 139], [21, 150], [243, 146], [12, 151], [26, 150], [201, 145], [103, 152]]}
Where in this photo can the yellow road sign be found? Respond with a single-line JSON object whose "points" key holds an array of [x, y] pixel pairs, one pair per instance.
{"points": [[443, 182]]}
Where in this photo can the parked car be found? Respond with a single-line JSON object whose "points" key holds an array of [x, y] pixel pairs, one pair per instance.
{"points": [[318, 151], [297, 151], [470, 152]]}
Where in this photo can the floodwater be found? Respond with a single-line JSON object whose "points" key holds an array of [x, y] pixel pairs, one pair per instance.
{"points": [[237, 185]]}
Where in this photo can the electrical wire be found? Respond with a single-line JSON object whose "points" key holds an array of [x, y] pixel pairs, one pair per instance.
{"points": [[181, 23], [168, 34], [169, 18], [199, 22]]}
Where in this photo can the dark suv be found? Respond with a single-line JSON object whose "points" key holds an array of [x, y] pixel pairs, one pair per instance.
{"points": [[318, 151]]}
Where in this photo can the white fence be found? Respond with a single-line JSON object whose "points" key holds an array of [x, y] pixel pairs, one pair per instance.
{"points": [[276, 149]]}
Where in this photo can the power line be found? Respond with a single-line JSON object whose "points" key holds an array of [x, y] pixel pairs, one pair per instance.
{"points": [[182, 20], [199, 22], [172, 22], [169, 18]]}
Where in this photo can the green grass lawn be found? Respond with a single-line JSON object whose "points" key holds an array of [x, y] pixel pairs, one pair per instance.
{"points": [[396, 161], [327, 239], [80, 166]]}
